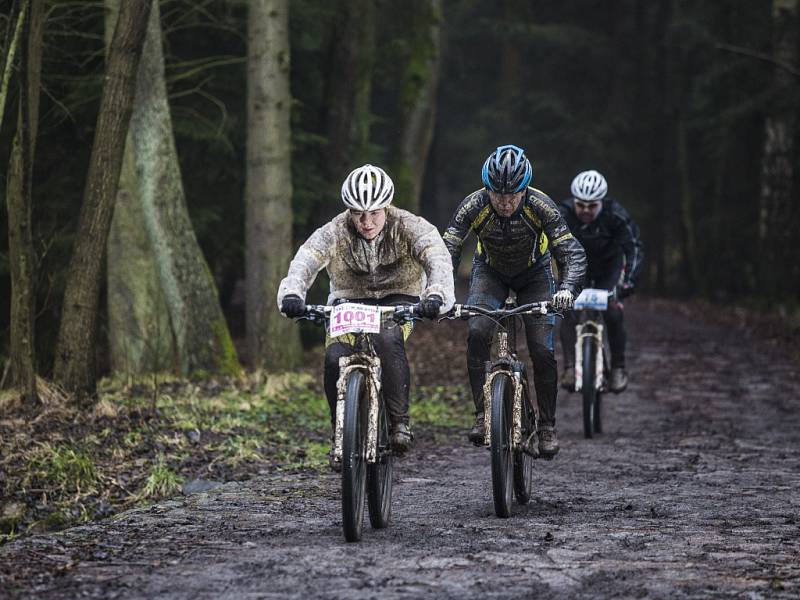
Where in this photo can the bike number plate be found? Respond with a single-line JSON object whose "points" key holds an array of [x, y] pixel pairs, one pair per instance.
{"points": [[354, 318], [592, 299]]}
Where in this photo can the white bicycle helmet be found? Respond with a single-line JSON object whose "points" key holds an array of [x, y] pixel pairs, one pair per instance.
{"points": [[367, 188], [589, 186]]}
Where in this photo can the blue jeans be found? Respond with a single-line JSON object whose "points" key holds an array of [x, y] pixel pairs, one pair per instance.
{"points": [[490, 289]]}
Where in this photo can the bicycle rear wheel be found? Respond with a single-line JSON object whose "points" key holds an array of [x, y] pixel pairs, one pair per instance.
{"points": [[379, 475], [354, 446], [502, 461], [588, 387], [523, 462]]}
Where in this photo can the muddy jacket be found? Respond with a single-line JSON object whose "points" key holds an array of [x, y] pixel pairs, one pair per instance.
{"points": [[521, 241], [407, 257], [611, 233]]}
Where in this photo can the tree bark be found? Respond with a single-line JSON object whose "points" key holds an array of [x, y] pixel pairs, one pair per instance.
{"points": [[164, 308], [348, 92], [273, 342], [16, 23], [419, 114], [75, 363], [18, 197], [777, 165]]}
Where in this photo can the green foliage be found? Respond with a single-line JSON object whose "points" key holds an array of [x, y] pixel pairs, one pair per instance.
{"points": [[162, 481], [64, 467]]}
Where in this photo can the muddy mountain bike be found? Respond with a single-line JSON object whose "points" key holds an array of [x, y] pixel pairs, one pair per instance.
{"points": [[511, 414], [361, 434], [592, 367]]}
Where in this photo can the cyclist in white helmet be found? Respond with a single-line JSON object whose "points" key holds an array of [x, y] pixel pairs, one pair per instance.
{"points": [[374, 253], [614, 252]]}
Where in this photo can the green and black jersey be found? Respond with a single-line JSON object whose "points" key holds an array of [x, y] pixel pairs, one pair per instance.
{"points": [[524, 240]]}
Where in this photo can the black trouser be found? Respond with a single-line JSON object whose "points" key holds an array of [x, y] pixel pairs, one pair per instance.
{"points": [[390, 347], [490, 289], [606, 277]]}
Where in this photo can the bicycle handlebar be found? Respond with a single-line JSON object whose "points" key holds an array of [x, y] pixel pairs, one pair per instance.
{"points": [[466, 311], [400, 313]]}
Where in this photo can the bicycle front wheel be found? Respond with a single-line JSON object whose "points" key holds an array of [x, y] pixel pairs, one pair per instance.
{"points": [[379, 475], [502, 462], [354, 463], [523, 462], [588, 386]]}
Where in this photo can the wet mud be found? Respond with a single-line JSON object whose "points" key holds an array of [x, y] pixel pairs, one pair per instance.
{"points": [[693, 491]]}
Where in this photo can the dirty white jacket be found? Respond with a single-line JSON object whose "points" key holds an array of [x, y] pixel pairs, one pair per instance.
{"points": [[407, 257]]}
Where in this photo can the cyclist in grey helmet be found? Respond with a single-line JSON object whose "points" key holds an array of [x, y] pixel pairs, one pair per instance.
{"points": [[374, 253], [518, 229], [614, 252]]}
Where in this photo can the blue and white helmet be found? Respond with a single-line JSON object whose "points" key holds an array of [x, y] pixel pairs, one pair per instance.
{"points": [[367, 188], [507, 170], [589, 186]]}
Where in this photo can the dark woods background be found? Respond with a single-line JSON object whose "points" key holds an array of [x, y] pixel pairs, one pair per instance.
{"points": [[690, 109]]}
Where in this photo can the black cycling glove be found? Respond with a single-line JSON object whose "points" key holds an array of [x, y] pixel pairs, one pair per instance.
{"points": [[627, 289], [293, 306], [429, 308]]}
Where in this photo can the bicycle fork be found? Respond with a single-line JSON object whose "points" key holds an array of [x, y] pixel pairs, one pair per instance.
{"points": [[515, 378], [371, 365], [587, 331]]}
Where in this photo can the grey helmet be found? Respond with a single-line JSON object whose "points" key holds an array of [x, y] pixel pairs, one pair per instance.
{"points": [[367, 188], [589, 186], [507, 170]]}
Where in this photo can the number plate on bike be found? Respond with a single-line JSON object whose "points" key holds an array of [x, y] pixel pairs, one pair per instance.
{"points": [[592, 299], [353, 318]]}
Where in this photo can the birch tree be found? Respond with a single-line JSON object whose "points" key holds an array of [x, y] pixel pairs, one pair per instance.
{"points": [[273, 341]]}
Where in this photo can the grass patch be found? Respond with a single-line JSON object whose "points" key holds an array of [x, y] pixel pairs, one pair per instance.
{"points": [[441, 406], [162, 481]]}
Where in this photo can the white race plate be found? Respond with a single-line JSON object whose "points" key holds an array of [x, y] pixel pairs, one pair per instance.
{"points": [[592, 299], [352, 318]]}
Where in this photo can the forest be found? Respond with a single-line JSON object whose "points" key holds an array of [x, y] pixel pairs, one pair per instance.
{"points": [[161, 161], [689, 109]]}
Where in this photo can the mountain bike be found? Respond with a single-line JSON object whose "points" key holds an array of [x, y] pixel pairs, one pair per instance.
{"points": [[361, 432], [592, 369], [511, 413]]}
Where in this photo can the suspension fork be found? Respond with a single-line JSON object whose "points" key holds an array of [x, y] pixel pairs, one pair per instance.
{"points": [[371, 367], [589, 330]]}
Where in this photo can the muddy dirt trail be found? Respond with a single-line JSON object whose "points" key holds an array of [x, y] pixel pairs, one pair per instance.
{"points": [[692, 492]]}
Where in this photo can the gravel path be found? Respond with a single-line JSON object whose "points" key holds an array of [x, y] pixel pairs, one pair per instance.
{"points": [[693, 491]]}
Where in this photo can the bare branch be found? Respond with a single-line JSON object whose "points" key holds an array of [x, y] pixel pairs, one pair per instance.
{"points": [[760, 56]]}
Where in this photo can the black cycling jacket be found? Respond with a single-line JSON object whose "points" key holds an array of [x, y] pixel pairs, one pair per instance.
{"points": [[521, 241], [611, 233]]}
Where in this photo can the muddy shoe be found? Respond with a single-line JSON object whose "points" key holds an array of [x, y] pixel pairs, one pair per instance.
{"points": [[568, 379], [478, 430], [401, 438], [548, 442], [619, 380], [333, 462]]}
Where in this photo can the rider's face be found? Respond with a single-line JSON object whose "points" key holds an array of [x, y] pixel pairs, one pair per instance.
{"points": [[369, 223], [587, 211], [505, 205]]}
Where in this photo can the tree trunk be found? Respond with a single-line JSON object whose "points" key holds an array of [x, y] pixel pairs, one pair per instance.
{"points": [[16, 22], [273, 342], [164, 308], [75, 364], [348, 93], [777, 165], [18, 197], [419, 113]]}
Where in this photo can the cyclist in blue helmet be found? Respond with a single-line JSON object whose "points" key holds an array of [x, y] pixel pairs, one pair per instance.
{"points": [[518, 229]]}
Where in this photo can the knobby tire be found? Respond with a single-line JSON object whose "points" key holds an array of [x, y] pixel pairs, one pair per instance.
{"points": [[588, 387], [523, 462], [354, 446], [502, 461], [379, 475]]}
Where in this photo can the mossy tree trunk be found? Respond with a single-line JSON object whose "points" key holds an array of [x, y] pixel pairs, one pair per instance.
{"points": [[418, 110], [75, 362], [164, 309], [348, 90], [273, 342], [18, 198]]}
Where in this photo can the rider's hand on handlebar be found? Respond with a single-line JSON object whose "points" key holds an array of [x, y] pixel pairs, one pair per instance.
{"points": [[563, 300], [429, 308], [293, 306]]}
